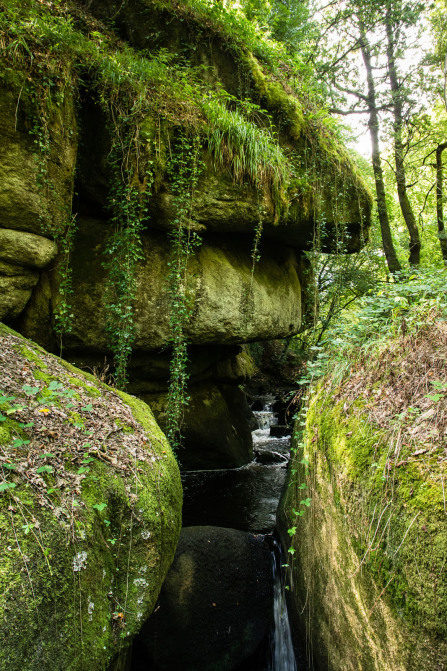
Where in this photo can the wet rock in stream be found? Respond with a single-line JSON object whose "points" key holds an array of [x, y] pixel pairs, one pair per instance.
{"points": [[216, 604]]}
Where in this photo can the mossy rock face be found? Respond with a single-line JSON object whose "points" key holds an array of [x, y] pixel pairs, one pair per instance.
{"points": [[26, 203], [228, 305], [330, 191], [21, 256], [327, 186], [15, 290], [369, 585], [90, 502], [30, 212], [216, 431], [74, 81]]}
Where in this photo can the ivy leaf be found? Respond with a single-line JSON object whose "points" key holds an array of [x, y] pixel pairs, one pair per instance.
{"points": [[45, 469], [434, 397], [7, 399], [16, 408], [100, 506], [54, 385], [4, 486], [439, 384], [18, 442], [30, 391]]}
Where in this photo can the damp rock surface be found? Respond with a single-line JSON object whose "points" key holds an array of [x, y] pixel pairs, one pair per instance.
{"points": [[369, 584], [215, 604]]}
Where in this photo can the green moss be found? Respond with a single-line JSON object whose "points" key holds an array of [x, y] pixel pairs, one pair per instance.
{"points": [[375, 539], [123, 426], [88, 387], [65, 576], [31, 355], [276, 99], [5, 433]]}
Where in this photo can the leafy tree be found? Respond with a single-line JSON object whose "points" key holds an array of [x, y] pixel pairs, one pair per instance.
{"points": [[288, 21], [398, 16], [382, 33], [373, 125]]}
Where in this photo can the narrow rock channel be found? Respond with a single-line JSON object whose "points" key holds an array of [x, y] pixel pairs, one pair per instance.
{"points": [[223, 601]]}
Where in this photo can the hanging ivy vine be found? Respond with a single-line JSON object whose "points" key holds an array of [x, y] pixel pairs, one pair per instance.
{"points": [[184, 170], [128, 203]]}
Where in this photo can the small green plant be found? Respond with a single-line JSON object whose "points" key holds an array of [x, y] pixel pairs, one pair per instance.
{"points": [[100, 506]]}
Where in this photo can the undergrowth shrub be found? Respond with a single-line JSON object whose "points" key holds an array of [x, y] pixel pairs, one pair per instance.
{"points": [[403, 306]]}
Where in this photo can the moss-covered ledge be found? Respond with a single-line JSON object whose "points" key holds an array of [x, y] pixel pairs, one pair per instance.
{"points": [[368, 561], [90, 513]]}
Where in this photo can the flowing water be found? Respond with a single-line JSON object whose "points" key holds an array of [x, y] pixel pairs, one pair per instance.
{"points": [[282, 656], [246, 499]]}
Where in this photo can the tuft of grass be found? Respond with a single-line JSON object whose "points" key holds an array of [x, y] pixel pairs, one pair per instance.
{"points": [[248, 150]]}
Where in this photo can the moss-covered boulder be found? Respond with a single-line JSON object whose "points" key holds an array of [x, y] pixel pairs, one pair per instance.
{"points": [[22, 255], [366, 510], [228, 302], [90, 501]]}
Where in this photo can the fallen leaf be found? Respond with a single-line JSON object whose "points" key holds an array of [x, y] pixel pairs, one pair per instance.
{"points": [[418, 452]]}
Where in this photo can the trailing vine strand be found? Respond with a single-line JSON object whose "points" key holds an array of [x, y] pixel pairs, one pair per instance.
{"points": [[128, 203], [184, 169]]}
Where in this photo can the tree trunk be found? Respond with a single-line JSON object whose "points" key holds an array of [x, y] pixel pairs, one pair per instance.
{"points": [[439, 201], [405, 205], [373, 125]]}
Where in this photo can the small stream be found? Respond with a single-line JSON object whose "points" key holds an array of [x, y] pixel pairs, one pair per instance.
{"points": [[241, 501], [244, 498]]}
